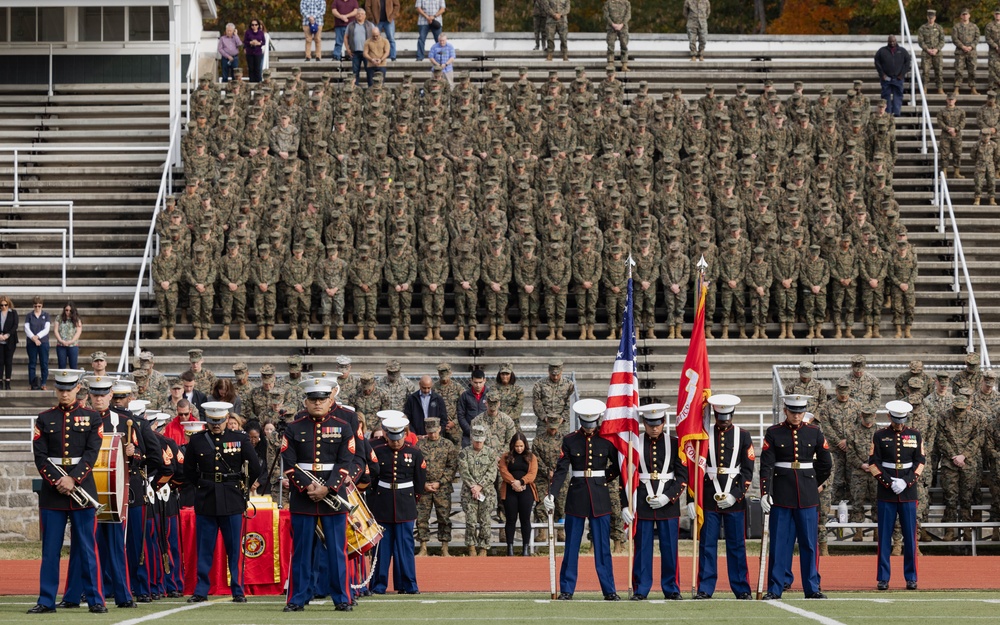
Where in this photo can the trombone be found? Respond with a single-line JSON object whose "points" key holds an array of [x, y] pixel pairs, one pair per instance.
{"points": [[79, 495], [332, 499]]}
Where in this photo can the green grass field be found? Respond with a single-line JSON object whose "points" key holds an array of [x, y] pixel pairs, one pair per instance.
{"points": [[841, 608]]}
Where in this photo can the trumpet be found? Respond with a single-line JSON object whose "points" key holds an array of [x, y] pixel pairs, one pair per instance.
{"points": [[332, 499], [79, 495]]}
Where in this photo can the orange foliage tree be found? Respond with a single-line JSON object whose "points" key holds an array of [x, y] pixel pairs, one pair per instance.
{"points": [[827, 17]]}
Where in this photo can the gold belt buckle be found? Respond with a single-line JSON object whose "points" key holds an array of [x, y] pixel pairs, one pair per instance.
{"points": [[654, 477], [67, 462], [219, 478], [796, 465], [899, 465], [587, 473], [720, 496], [317, 466], [395, 486]]}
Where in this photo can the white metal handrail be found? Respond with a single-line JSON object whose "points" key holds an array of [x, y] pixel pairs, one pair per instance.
{"points": [[67, 203], [942, 196], [192, 75], [61, 231], [150, 250]]}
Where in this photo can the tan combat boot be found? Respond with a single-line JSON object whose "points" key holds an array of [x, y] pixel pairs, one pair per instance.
{"points": [[725, 331], [743, 332], [812, 333], [340, 333], [444, 550], [170, 333], [525, 335], [423, 548], [225, 334], [552, 332], [973, 92], [163, 334], [361, 334], [392, 335], [975, 202], [461, 334], [818, 332], [305, 332], [371, 334], [326, 333], [270, 333], [429, 334], [784, 330], [294, 334], [906, 332], [472, 548], [875, 332], [500, 336], [533, 333], [261, 332], [437, 334], [899, 331], [542, 536], [493, 333], [565, 55], [958, 173], [679, 334], [708, 331], [612, 333], [672, 334], [624, 65], [849, 332], [949, 535], [406, 333], [791, 330], [836, 331], [471, 332], [559, 334], [548, 57], [868, 333], [243, 332], [824, 550]]}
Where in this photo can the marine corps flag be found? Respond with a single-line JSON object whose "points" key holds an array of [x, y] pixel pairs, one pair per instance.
{"points": [[621, 420], [695, 388]]}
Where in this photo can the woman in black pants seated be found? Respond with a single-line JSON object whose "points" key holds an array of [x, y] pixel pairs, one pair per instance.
{"points": [[517, 470]]}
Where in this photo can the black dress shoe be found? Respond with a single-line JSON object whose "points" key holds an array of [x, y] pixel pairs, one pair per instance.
{"points": [[612, 597], [127, 604], [744, 596], [673, 596], [196, 598], [239, 599], [173, 594], [41, 609], [911, 585], [67, 605], [343, 607], [816, 595], [293, 607], [637, 598], [771, 597], [143, 599], [882, 585], [156, 596], [98, 609], [565, 596], [702, 595]]}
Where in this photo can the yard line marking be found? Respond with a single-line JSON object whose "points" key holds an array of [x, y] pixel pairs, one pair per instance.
{"points": [[819, 618], [156, 615]]}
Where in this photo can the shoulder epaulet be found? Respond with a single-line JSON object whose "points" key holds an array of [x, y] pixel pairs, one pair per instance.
{"points": [[294, 421]]}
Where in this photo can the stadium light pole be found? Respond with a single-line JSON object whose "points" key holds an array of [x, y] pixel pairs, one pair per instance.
{"points": [[486, 23]]}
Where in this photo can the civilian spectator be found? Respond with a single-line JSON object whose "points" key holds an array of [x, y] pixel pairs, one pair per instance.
{"points": [[357, 36], [377, 55], [343, 14], [8, 340], [36, 330], [229, 49], [442, 55], [68, 329], [224, 390], [312, 26], [471, 403], [517, 490], [262, 486], [194, 397], [254, 42], [892, 63], [424, 404], [384, 14], [428, 19]]}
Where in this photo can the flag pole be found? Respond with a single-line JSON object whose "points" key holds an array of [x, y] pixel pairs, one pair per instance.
{"points": [[694, 521], [629, 494]]}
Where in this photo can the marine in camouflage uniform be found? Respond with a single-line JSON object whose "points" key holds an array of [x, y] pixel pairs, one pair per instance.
{"points": [[331, 277], [617, 15], [903, 278], [785, 269], [865, 387], [368, 401], [511, 394], [168, 270], [615, 280], [844, 285], [400, 270], [441, 456], [466, 268], [586, 267], [264, 275], [396, 386], [861, 485], [297, 276], [200, 275], [538, 17], [433, 269], [675, 272], [915, 371], [234, 272], [450, 391], [646, 275], [477, 467], [922, 420], [696, 13], [556, 273], [527, 274], [496, 274], [556, 20], [732, 288], [552, 397], [960, 442], [365, 273], [970, 377], [965, 34], [260, 398], [759, 279], [873, 267], [241, 383], [951, 121], [807, 384], [547, 446], [814, 276], [204, 379], [930, 37], [500, 427]]}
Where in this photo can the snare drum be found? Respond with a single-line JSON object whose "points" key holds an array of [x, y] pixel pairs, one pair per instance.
{"points": [[363, 532], [111, 478]]}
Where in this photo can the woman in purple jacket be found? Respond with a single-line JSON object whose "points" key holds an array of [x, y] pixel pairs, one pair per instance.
{"points": [[254, 40]]}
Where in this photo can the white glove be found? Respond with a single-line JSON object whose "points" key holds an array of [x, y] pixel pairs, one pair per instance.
{"points": [[549, 502], [627, 516], [692, 513], [727, 502], [658, 502], [765, 503], [711, 472], [898, 485]]}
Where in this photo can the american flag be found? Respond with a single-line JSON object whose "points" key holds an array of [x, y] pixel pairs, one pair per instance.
{"points": [[621, 420]]}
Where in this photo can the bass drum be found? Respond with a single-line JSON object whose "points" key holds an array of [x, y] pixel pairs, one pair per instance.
{"points": [[111, 477], [363, 532]]}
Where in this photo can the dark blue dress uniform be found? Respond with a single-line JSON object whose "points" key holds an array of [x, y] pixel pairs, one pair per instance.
{"points": [[666, 474], [70, 437], [897, 454], [213, 463], [591, 462], [173, 579], [392, 500], [794, 461], [156, 529], [146, 463], [729, 520], [326, 447]]}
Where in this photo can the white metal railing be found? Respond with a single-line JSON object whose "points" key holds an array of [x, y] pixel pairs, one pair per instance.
{"points": [[63, 262], [192, 75], [942, 198], [54, 203], [151, 248]]}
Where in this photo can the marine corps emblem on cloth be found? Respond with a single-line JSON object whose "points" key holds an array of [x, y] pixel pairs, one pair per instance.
{"points": [[253, 545]]}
